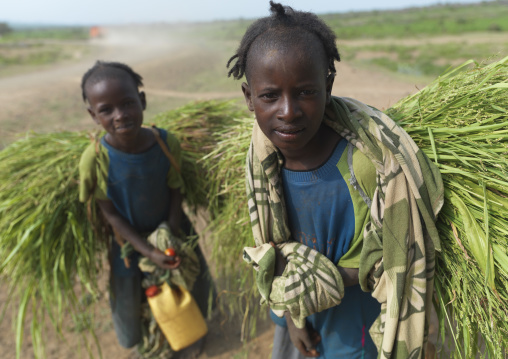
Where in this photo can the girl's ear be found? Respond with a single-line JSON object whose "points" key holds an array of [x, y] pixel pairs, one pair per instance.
{"points": [[92, 114], [248, 96], [142, 97], [329, 85]]}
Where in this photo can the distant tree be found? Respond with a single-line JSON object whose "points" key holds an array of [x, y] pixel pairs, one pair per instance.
{"points": [[4, 28]]}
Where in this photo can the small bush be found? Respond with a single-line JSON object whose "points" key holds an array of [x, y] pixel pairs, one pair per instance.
{"points": [[4, 28], [495, 28]]}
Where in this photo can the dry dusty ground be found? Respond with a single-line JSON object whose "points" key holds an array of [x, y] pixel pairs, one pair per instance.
{"points": [[175, 72]]}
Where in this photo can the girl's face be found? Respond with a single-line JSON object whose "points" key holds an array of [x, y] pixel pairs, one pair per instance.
{"points": [[288, 92], [116, 104]]}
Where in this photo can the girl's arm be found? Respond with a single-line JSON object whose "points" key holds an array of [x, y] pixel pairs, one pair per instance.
{"points": [[349, 275], [127, 232]]}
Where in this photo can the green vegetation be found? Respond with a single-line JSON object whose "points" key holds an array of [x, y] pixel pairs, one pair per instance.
{"points": [[32, 54], [4, 28], [33, 47], [424, 58], [405, 38], [416, 22], [46, 33], [460, 121]]}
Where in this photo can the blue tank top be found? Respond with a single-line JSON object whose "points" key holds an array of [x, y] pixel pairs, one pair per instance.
{"points": [[322, 216]]}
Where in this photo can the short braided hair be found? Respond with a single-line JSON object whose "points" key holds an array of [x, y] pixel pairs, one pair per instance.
{"points": [[275, 27], [105, 69]]}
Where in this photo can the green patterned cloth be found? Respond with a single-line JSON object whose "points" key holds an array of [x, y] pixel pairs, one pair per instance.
{"points": [[398, 255], [189, 269]]}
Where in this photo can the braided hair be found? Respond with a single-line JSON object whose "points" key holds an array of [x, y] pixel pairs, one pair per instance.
{"points": [[104, 69], [281, 27]]}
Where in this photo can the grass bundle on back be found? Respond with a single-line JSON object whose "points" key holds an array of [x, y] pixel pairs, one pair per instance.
{"points": [[230, 224], [46, 242], [461, 122], [197, 126]]}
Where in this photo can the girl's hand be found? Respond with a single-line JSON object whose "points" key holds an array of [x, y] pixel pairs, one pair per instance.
{"points": [[164, 261], [305, 339]]}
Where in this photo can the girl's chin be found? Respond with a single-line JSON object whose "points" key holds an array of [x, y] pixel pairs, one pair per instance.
{"points": [[127, 131]]}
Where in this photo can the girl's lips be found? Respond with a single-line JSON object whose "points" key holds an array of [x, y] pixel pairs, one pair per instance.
{"points": [[288, 133], [289, 129], [125, 126]]}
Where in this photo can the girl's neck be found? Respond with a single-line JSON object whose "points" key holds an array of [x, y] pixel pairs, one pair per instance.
{"points": [[141, 143], [317, 153]]}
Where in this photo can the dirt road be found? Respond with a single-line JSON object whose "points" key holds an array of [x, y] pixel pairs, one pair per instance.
{"points": [[175, 71]]}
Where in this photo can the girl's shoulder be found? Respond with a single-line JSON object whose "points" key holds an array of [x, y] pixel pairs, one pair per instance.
{"points": [[92, 178], [89, 155], [171, 140], [94, 159], [364, 171], [170, 136], [93, 152]]}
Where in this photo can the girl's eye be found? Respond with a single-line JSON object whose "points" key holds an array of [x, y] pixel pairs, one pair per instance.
{"points": [[308, 92], [269, 96], [104, 110]]}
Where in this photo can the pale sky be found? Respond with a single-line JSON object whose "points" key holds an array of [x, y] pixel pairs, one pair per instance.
{"points": [[103, 12]]}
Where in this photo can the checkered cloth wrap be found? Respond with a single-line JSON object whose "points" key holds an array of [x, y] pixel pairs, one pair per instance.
{"points": [[186, 274], [154, 344], [398, 255]]}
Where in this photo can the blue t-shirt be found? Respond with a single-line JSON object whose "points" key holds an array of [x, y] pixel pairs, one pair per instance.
{"points": [[137, 185], [322, 216]]}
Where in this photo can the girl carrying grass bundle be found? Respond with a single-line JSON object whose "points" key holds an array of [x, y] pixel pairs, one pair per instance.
{"points": [[342, 202], [137, 187]]}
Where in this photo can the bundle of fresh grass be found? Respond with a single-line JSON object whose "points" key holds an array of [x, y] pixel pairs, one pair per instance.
{"points": [[461, 122], [230, 225], [197, 126], [50, 255], [45, 241]]}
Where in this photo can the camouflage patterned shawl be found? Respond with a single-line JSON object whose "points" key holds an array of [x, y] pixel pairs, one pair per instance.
{"points": [[397, 259]]}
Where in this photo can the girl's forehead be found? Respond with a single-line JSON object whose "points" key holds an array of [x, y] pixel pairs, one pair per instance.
{"points": [[290, 74], [302, 49], [287, 60], [110, 90], [111, 83]]}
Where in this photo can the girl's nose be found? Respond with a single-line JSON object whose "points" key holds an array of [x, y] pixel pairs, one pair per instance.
{"points": [[119, 114], [289, 109]]}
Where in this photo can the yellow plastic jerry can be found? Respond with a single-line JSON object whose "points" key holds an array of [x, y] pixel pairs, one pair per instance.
{"points": [[178, 316]]}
